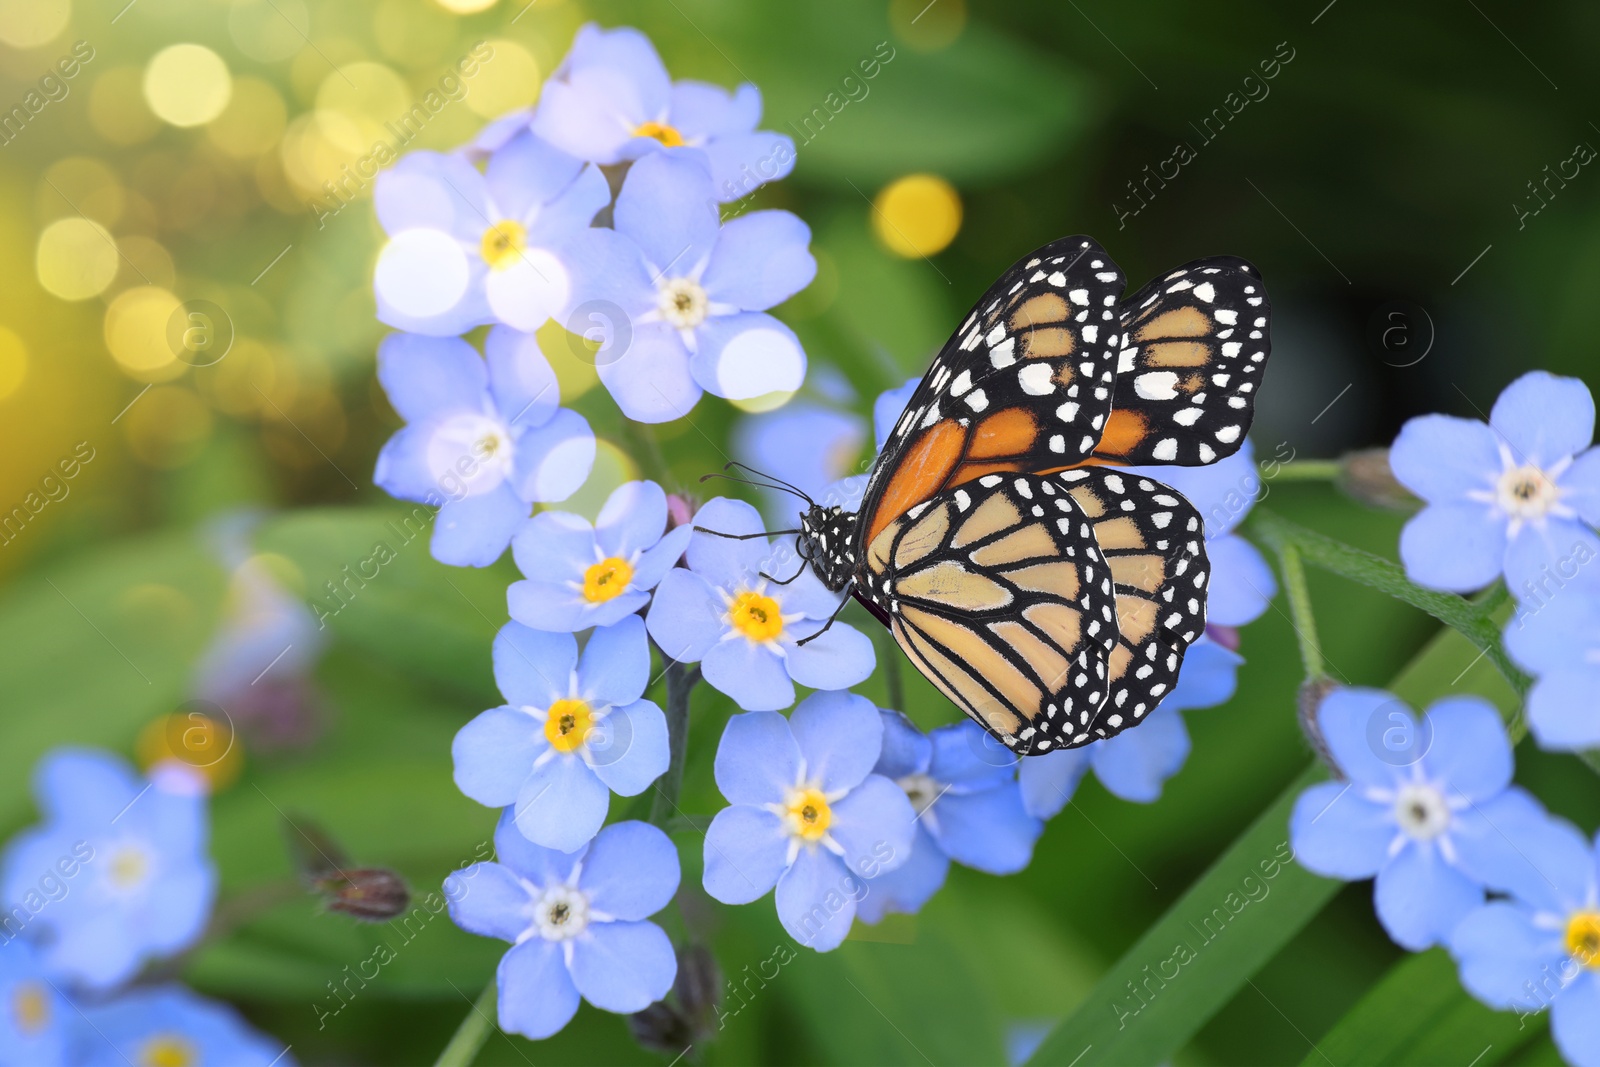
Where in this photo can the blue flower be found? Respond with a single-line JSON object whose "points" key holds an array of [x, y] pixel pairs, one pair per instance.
{"points": [[34, 1016], [611, 100], [693, 294], [1558, 641], [1427, 808], [1541, 947], [482, 441], [1133, 765], [809, 445], [576, 922], [963, 787], [807, 815], [1511, 497], [117, 874], [580, 575], [467, 248], [170, 1024], [572, 731], [746, 629]]}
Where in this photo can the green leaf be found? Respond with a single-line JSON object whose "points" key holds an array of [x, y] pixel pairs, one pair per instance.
{"points": [[1419, 1014]]}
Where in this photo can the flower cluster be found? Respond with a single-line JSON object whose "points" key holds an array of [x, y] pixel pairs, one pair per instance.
{"points": [[115, 879]]}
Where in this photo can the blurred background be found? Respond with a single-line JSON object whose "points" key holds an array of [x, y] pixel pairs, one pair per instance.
{"points": [[186, 322]]}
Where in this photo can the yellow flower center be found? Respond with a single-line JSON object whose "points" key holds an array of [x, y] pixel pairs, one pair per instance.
{"points": [[30, 1007], [808, 814], [1583, 938], [606, 579], [168, 1050], [503, 243], [128, 867], [756, 616], [667, 135], [568, 724]]}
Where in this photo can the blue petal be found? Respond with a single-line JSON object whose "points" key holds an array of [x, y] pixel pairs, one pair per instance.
{"points": [[969, 758], [487, 899], [906, 749], [1561, 710], [758, 760], [557, 607], [100, 951], [533, 667], [745, 853], [425, 377], [752, 674], [889, 406], [746, 355], [1539, 553], [1135, 763], [1556, 632], [651, 381], [1500, 950], [761, 260], [524, 387], [430, 190], [668, 208], [631, 871], [562, 805], [615, 667], [527, 172], [554, 460], [840, 737], [1469, 750], [632, 519], [494, 755], [687, 616], [838, 659], [176, 916], [909, 886], [817, 898], [1575, 1021], [1458, 548], [555, 545], [79, 785], [612, 288], [1048, 781], [1421, 899], [1544, 418], [1501, 844], [742, 162], [702, 110], [402, 468], [874, 825], [570, 213], [1580, 486], [536, 995], [725, 561], [1209, 676], [1223, 492], [988, 830], [803, 443], [624, 966], [542, 867], [1241, 583], [1351, 718], [1338, 833], [1442, 458], [629, 750], [654, 564], [475, 530], [805, 594]]}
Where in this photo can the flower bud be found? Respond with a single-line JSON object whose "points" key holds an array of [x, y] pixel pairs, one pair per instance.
{"points": [[1313, 691], [371, 894], [1367, 476], [672, 1027]]}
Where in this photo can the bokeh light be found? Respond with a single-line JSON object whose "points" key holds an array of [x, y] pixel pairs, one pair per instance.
{"points": [[31, 23], [355, 101], [509, 79], [187, 85], [76, 258], [117, 109], [13, 362], [81, 185], [206, 744], [466, 7], [918, 215], [252, 122], [136, 333], [927, 27], [269, 30]]}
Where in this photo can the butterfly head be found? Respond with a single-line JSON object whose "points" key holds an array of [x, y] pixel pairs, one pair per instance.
{"points": [[827, 541]]}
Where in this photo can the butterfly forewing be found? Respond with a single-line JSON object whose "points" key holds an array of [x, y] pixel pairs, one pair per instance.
{"points": [[1195, 344], [1153, 542], [1025, 383], [997, 592]]}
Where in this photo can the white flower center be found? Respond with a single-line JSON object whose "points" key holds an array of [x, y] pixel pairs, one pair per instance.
{"points": [[470, 455], [1421, 811], [128, 867], [921, 790], [683, 303], [1526, 493], [561, 913]]}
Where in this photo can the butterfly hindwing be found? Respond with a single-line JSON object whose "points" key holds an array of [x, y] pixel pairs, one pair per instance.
{"points": [[1194, 345], [997, 592], [1153, 541], [1024, 384]]}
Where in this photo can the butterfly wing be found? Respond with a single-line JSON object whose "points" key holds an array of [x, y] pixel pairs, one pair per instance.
{"points": [[1024, 384], [1153, 541], [997, 592], [1194, 345]]}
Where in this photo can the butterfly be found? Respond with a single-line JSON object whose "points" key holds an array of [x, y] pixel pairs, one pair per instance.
{"points": [[1047, 591]]}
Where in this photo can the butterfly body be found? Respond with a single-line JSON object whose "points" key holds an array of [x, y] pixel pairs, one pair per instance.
{"points": [[1045, 591]]}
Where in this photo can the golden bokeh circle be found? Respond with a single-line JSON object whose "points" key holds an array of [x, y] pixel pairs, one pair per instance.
{"points": [[117, 109], [507, 80], [136, 333], [187, 84], [31, 23], [466, 7], [13, 362], [76, 258], [252, 122], [917, 215]]}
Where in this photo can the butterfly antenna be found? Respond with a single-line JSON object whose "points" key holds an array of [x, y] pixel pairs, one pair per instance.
{"points": [[759, 485], [795, 489], [744, 537]]}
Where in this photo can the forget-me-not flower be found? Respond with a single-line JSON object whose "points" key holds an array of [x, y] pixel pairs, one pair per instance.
{"points": [[1540, 948], [572, 731], [1516, 496], [695, 293], [746, 630], [1559, 643], [35, 1018], [576, 922], [484, 439], [807, 814], [963, 787], [172, 1025], [467, 248], [130, 857], [1427, 808], [580, 575], [612, 100]]}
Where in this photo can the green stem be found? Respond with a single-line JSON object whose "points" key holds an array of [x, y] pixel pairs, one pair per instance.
{"points": [[1375, 572], [1309, 470], [472, 1033], [1305, 622], [890, 659], [681, 680], [647, 450]]}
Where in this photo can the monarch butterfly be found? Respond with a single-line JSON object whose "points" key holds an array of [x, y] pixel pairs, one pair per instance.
{"points": [[1048, 593]]}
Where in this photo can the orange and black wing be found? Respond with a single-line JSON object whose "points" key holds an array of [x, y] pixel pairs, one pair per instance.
{"points": [[996, 591], [1025, 384], [1153, 541], [1194, 345]]}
